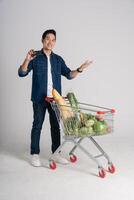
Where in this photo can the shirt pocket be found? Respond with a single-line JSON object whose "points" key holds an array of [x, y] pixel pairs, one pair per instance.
{"points": [[40, 68]]}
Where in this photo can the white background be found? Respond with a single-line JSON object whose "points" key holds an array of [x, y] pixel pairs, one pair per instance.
{"points": [[98, 30]]}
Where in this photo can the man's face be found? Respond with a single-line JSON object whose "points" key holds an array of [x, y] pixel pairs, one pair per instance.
{"points": [[49, 41]]}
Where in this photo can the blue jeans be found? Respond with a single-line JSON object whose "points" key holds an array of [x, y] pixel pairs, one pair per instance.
{"points": [[39, 110]]}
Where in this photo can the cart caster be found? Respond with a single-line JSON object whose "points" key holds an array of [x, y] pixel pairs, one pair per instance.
{"points": [[52, 165], [73, 158], [102, 173], [111, 168]]}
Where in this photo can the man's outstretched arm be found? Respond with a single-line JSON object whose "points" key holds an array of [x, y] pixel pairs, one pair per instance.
{"points": [[80, 69]]}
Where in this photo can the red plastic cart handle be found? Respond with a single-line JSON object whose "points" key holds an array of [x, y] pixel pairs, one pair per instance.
{"points": [[49, 99]]}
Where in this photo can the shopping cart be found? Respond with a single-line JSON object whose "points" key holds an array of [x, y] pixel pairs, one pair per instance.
{"points": [[100, 122]]}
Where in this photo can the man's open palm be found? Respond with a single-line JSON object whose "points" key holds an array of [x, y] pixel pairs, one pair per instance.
{"points": [[86, 64]]}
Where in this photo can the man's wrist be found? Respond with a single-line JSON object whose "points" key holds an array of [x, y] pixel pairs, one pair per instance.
{"points": [[79, 70]]}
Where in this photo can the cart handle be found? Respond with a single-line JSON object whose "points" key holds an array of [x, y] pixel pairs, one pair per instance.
{"points": [[51, 99]]}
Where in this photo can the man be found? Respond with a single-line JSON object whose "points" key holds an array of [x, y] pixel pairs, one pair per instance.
{"points": [[47, 69]]}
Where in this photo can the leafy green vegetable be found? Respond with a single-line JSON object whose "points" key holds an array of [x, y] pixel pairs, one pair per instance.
{"points": [[73, 101], [89, 123], [100, 127], [72, 125], [86, 131]]}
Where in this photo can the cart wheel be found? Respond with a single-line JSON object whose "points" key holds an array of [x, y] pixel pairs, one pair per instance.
{"points": [[73, 158], [111, 168], [102, 173], [52, 165]]}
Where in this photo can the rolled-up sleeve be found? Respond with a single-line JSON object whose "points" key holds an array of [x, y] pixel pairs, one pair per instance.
{"points": [[22, 73], [65, 71]]}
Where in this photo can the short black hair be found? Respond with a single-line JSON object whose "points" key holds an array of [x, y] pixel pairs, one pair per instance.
{"points": [[52, 31]]}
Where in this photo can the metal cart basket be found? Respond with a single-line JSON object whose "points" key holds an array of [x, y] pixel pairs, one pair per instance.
{"points": [[86, 122]]}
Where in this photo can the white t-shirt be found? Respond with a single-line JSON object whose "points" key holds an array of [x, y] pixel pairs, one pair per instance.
{"points": [[49, 78]]}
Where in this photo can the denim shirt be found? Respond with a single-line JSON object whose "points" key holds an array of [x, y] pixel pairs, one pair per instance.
{"points": [[39, 77]]}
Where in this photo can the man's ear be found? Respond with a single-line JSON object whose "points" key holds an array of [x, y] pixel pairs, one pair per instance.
{"points": [[42, 40]]}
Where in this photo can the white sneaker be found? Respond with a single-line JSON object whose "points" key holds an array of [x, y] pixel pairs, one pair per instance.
{"points": [[57, 157], [35, 161]]}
